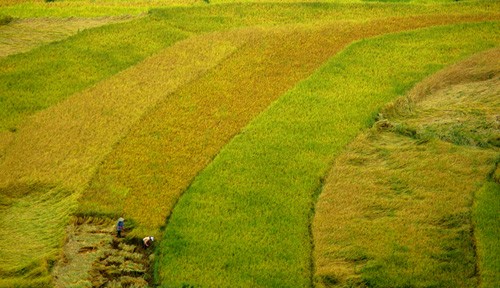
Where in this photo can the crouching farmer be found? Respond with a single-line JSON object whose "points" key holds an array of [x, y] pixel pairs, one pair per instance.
{"points": [[147, 241]]}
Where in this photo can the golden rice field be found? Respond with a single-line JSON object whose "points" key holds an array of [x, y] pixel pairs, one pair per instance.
{"points": [[131, 141]]}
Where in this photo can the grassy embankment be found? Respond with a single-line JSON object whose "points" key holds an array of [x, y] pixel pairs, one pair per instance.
{"points": [[396, 208], [244, 221]]}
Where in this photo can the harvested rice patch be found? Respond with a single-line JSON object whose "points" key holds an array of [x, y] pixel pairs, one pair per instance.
{"points": [[22, 35], [94, 257]]}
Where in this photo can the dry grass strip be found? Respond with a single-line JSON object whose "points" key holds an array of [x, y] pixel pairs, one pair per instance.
{"points": [[156, 162]]}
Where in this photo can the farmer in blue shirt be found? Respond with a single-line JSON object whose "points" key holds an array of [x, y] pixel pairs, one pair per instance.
{"points": [[120, 226]]}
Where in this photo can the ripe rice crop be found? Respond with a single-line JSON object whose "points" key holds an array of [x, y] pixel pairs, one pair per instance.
{"points": [[220, 17], [32, 225], [75, 134], [189, 13]]}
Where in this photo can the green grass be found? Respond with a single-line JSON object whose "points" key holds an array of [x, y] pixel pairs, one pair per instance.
{"points": [[487, 233], [38, 79], [244, 221]]}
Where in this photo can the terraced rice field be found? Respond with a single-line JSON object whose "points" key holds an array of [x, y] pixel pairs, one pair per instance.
{"points": [[209, 127], [200, 118], [237, 249]]}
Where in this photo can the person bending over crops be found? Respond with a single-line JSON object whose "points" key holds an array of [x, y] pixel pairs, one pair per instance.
{"points": [[120, 226], [147, 241]]}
